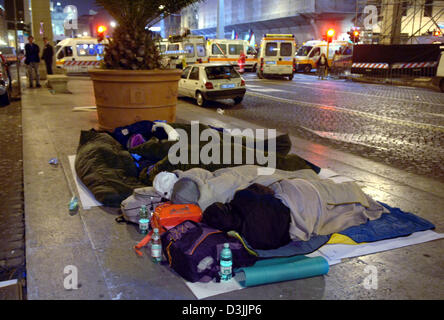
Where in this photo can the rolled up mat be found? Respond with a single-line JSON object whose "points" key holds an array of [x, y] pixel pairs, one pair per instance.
{"points": [[277, 272]]}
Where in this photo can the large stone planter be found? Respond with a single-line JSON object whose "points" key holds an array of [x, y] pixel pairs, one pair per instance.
{"points": [[127, 96]]}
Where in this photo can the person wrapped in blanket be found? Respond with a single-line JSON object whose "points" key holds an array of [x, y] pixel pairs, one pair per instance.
{"points": [[269, 211], [112, 165]]}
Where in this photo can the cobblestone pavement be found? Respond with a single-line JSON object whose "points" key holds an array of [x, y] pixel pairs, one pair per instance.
{"points": [[12, 223], [400, 126]]}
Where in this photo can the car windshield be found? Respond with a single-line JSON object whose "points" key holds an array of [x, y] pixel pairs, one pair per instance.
{"points": [[303, 51], [221, 72]]}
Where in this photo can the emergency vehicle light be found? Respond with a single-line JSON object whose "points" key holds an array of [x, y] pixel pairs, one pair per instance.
{"points": [[275, 35]]}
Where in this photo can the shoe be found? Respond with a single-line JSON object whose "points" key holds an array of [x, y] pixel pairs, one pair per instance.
{"points": [[38, 86]]}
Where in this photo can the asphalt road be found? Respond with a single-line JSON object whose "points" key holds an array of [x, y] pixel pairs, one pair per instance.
{"points": [[400, 126]]}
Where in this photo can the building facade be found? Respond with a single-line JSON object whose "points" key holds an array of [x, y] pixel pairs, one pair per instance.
{"points": [[306, 19]]}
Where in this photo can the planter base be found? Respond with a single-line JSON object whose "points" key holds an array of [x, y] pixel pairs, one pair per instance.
{"points": [[124, 97]]}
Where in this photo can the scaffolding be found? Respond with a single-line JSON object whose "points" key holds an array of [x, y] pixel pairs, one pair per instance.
{"points": [[401, 21]]}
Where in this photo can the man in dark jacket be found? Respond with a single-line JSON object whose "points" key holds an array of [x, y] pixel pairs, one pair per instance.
{"points": [[48, 53], [32, 61]]}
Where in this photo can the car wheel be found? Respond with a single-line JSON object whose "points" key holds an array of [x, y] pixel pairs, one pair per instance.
{"points": [[238, 100], [200, 100], [290, 77], [307, 69]]}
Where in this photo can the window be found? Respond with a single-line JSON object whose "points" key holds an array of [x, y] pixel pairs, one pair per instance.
{"points": [[315, 52], [201, 52], [194, 75], [173, 47], [221, 72], [271, 49], [428, 8], [286, 49], [185, 73], [89, 49], [189, 48], [162, 48], [304, 50], [216, 48], [251, 50], [235, 49], [65, 52]]}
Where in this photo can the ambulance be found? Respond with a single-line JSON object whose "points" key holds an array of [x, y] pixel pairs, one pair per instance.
{"points": [[276, 56], [77, 55], [228, 51], [308, 55], [183, 51]]}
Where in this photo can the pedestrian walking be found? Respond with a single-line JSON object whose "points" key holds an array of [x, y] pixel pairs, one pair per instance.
{"points": [[47, 55], [322, 65], [32, 61], [241, 62]]}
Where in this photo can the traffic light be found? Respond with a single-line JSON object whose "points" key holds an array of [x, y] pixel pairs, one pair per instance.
{"points": [[330, 34], [437, 33], [101, 33], [354, 35]]}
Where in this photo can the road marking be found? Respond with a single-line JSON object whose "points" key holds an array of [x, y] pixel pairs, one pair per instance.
{"points": [[313, 87], [359, 113]]}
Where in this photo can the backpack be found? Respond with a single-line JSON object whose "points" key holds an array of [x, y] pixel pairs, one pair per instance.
{"points": [[167, 216], [130, 207], [193, 250]]}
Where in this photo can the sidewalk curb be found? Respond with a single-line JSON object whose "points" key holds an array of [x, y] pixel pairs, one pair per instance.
{"points": [[396, 82]]}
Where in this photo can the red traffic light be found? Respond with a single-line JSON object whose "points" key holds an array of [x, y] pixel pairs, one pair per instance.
{"points": [[330, 33], [436, 33], [101, 29], [356, 33]]}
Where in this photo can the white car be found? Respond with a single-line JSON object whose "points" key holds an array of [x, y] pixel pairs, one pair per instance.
{"points": [[208, 81]]}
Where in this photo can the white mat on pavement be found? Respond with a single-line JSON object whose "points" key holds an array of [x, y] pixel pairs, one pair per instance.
{"points": [[87, 199]]}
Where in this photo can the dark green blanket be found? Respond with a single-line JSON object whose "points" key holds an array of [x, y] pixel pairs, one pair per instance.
{"points": [[108, 170]]}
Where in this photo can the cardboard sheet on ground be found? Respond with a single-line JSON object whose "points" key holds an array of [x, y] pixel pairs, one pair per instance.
{"points": [[333, 253], [86, 197]]}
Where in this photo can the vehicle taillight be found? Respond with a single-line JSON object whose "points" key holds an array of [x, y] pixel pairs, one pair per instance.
{"points": [[199, 60], [209, 85], [242, 83], [294, 64]]}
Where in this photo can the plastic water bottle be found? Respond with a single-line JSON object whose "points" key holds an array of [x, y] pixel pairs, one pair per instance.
{"points": [[156, 247], [144, 220], [226, 263]]}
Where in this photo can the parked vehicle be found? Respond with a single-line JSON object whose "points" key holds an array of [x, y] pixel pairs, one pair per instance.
{"points": [[208, 81], [184, 50], [308, 55], [79, 54], [276, 56], [228, 51]]}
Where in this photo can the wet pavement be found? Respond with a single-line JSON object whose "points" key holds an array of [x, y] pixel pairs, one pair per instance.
{"points": [[400, 126]]}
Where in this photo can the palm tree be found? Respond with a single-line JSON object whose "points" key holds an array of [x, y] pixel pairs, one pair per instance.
{"points": [[132, 46]]}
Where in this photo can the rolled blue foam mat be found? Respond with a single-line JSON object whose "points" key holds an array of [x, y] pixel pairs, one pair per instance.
{"points": [[282, 269]]}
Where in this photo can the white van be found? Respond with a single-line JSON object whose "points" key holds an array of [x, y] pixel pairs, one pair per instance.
{"points": [[308, 55], [184, 51], [79, 54], [228, 51], [276, 56]]}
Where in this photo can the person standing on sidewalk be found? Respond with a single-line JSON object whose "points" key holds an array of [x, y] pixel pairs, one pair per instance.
{"points": [[32, 61], [47, 55], [322, 65]]}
